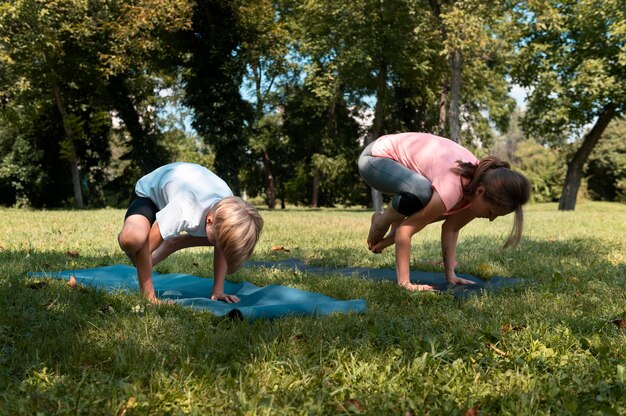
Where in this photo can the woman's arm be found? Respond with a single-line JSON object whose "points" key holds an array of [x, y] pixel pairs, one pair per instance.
{"points": [[413, 224], [449, 237]]}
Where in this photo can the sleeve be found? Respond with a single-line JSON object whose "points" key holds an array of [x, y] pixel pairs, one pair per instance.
{"points": [[449, 189], [170, 220]]}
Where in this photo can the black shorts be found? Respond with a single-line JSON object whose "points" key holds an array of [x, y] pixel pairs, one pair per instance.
{"points": [[142, 206]]}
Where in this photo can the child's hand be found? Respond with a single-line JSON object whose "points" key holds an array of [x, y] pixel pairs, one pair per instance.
{"points": [[225, 298], [417, 288], [454, 280]]}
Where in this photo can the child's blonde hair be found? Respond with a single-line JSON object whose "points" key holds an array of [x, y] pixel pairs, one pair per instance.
{"points": [[238, 226], [504, 188]]}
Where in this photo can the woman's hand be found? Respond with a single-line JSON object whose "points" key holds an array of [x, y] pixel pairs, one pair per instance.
{"points": [[417, 288], [225, 298], [454, 280]]}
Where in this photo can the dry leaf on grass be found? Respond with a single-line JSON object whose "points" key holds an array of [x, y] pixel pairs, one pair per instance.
{"points": [[72, 282], [621, 323], [472, 411], [280, 248], [72, 253], [353, 404], [496, 350], [515, 328]]}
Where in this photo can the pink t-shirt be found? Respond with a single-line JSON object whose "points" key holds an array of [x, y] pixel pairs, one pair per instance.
{"points": [[432, 157]]}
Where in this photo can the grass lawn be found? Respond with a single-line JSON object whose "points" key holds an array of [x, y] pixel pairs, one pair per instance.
{"points": [[552, 346]]}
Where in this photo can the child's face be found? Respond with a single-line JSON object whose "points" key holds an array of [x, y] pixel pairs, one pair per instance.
{"points": [[484, 209]]}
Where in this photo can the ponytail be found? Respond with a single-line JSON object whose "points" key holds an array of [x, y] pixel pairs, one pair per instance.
{"points": [[504, 188]]}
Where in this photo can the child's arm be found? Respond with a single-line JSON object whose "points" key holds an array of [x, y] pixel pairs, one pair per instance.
{"points": [[219, 274], [174, 244], [449, 237], [413, 224], [143, 261]]}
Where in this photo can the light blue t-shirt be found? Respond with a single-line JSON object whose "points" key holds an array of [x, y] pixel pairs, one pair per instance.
{"points": [[184, 194]]}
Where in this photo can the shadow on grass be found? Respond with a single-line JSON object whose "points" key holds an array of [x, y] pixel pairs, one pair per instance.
{"points": [[44, 323], [75, 330], [483, 257]]}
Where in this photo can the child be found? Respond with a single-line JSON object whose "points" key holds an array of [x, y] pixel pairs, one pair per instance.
{"points": [[434, 179], [185, 205]]}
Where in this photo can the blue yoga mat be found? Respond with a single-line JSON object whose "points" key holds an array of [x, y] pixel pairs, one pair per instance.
{"points": [[435, 279], [192, 291]]}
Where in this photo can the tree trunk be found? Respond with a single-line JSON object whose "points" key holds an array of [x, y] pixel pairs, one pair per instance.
{"points": [[454, 114], [145, 152], [78, 194], [575, 165], [269, 181], [443, 98], [316, 190]]}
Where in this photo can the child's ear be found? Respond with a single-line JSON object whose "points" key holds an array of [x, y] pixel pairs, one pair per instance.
{"points": [[480, 190], [209, 218]]}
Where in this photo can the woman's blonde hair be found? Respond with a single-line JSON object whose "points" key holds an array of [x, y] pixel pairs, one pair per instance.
{"points": [[238, 226], [504, 188]]}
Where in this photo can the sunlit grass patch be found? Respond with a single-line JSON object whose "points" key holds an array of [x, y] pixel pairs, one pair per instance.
{"points": [[551, 346]]}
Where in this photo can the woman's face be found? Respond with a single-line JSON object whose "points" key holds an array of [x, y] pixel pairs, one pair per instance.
{"points": [[484, 209]]}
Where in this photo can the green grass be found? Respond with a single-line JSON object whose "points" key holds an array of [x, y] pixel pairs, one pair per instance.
{"points": [[548, 347]]}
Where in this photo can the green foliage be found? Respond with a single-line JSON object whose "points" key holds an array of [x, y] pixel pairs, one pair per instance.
{"points": [[606, 170], [570, 55], [544, 168]]}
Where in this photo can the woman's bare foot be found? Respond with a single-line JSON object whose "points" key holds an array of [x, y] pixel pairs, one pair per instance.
{"points": [[376, 232]]}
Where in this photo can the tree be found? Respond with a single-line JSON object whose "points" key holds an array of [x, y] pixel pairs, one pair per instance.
{"points": [[86, 61], [212, 71], [264, 49], [606, 170], [571, 56]]}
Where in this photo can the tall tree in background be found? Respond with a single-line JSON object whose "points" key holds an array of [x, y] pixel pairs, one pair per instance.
{"points": [[475, 46], [362, 47], [572, 56], [76, 55], [42, 47], [264, 49], [212, 73]]}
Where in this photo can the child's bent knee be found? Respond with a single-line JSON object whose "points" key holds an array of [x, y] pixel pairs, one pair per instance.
{"points": [[130, 242]]}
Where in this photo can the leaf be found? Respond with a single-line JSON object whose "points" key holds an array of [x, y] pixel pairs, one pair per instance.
{"points": [[280, 248], [130, 403], [515, 328], [472, 411], [621, 323], [353, 405], [72, 253], [72, 282], [496, 350]]}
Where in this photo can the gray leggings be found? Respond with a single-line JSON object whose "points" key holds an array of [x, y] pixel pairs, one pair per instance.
{"points": [[411, 190]]}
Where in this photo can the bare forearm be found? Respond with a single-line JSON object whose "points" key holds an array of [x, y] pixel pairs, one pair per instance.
{"points": [[403, 258], [448, 250], [219, 272], [172, 245], [144, 271]]}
